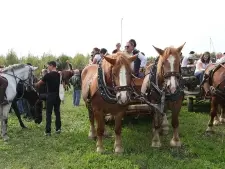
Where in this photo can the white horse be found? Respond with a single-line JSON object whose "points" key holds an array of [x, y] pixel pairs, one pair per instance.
{"points": [[14, 74]]}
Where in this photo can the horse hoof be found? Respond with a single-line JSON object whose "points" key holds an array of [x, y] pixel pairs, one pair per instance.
{"points": [[156, 144], [174, 143], [119, 150], [100, 149], [209, 130]]}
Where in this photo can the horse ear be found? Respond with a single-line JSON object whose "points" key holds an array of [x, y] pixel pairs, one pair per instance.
{"points": [[179, 49], [110, 59], [132, 58], [160, 51]]}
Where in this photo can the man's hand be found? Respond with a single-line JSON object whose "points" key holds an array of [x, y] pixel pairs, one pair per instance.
{"points": [[36, 85]]}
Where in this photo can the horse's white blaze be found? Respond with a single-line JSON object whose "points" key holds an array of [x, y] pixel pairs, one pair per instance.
{"points": [[123, 82], [171, 60]]}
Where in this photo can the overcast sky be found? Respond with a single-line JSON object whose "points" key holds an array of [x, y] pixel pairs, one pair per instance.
{"points": [[72, 26]]}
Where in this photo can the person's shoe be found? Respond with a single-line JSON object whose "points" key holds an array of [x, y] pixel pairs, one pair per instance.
{"points": [[47, 134], [58, 131]]}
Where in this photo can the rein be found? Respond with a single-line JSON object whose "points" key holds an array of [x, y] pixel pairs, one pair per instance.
{"points": [[21, 81], [163, 95], [110, 97]]}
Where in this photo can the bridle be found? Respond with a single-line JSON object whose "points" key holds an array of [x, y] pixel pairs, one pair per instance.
{"points": [[168, 95], [120, 88], [21, 81]]}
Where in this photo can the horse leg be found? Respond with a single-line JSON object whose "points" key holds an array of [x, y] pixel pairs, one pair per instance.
{"points": [[118, 148], [175, 141], [156, 129], [213, 113], [99, 115], [165, 125], [4, 121], [92, 132], [15, 108], [216, 121], [222, 115]]}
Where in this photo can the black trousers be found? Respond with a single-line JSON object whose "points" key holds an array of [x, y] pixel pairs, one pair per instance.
{"points": [[53, 101]]}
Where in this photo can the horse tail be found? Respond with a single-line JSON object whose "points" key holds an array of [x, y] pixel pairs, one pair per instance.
{"points": [[89, 105]]}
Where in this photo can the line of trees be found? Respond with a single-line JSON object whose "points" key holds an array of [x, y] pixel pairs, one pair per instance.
{"points": [[78, 61]]}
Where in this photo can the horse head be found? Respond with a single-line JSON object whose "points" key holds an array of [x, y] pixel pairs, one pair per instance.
{"points": [[29, 78], [118, 66], [168, 68]]}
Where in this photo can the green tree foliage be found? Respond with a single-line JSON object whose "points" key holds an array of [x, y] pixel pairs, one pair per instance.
{"points": [[2, 60], [11, 58], [79, 61], [62, 59]]}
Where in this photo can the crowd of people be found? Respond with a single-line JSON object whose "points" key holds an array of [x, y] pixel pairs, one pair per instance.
{"points": [[199, 65], [50, 78], [138, 65]]}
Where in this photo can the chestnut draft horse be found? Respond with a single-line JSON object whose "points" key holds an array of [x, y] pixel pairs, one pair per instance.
{"points": [[214, 83], [163, 85], [106, 88]]}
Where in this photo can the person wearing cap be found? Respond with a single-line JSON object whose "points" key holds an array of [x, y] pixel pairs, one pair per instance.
{"points": [[75, 80], [141, 61], [186, 59], [52, 80], [118, 45]]}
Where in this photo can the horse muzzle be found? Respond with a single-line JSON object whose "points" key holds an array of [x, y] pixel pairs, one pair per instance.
{"points": [[123, 97], [123, 94]]}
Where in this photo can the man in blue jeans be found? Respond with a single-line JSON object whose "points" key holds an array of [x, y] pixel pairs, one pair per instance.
{"points": [[75, 80]]}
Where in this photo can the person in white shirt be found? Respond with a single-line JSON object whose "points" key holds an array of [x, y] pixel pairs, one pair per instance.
{"points": [[139, 64], [97, 56], [186, 58], [220, 57], [201, 65]]}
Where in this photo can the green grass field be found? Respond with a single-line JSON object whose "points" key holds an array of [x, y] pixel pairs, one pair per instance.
{"points": [[29, 148]]}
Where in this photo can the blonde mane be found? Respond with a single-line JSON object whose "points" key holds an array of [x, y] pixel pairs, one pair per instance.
{"points": [[13, 67], [121, 58]]}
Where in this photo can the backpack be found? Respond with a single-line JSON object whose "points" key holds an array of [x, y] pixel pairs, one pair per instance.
{"points": [[76, 82]]}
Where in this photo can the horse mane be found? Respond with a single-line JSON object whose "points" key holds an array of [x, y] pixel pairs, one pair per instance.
{"points": [[167, 52], [121, 58], [13, 67]]}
